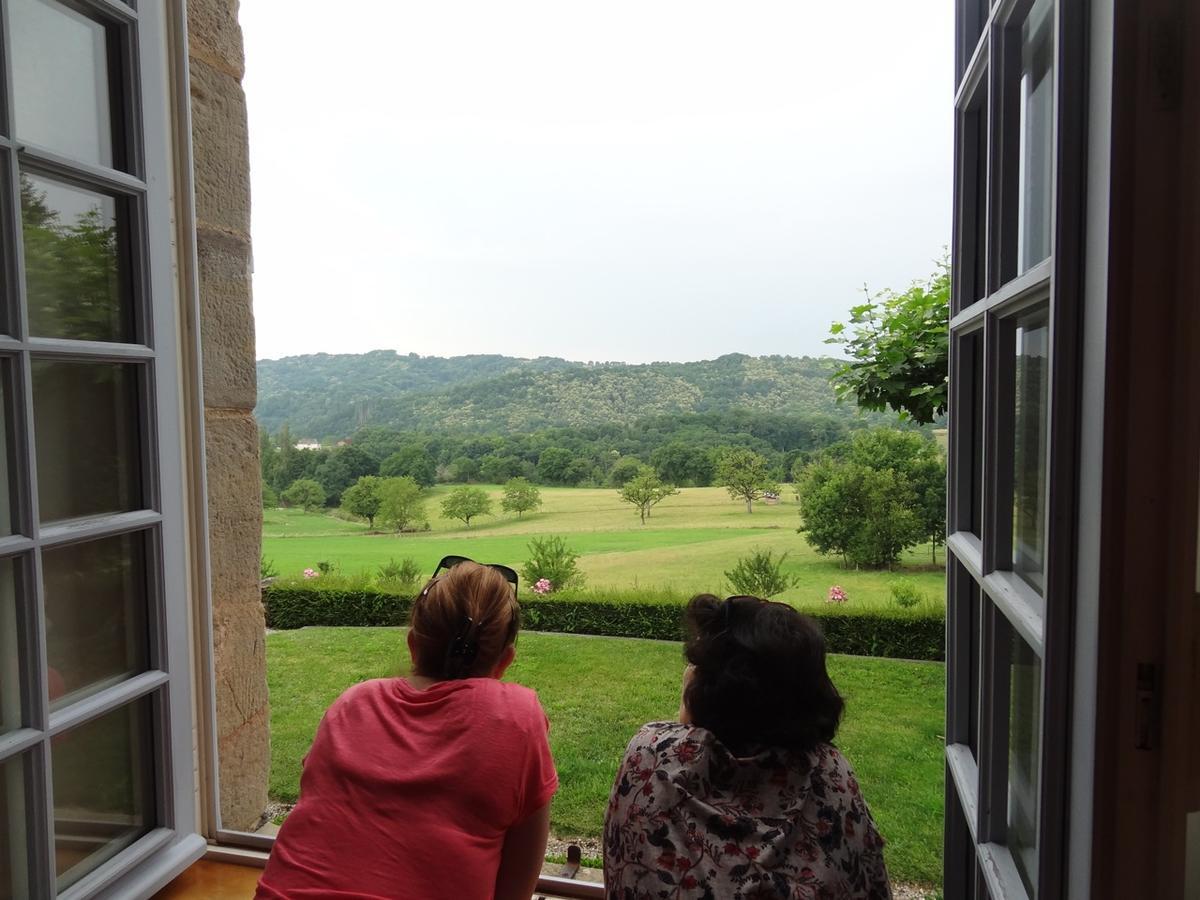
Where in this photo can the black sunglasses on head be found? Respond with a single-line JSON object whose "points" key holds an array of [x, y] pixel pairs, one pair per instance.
{"points": [[449, 562]]}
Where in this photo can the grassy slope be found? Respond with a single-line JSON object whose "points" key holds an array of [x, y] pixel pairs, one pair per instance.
{"points": [[690, 540], [597, 691]]}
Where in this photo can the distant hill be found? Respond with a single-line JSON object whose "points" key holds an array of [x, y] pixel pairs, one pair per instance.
{"points": [[327, 395]]}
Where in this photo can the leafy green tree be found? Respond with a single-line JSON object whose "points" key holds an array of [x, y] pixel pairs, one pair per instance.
{"points": [[465, 503], [401, 503], [412, 460], [520, 496], [362, 498], [464, 469], [760, 574], [866, 515], [305, 493], [645, 491], [623, 470], [551, 558], [270, 499], [495, 469], [578, 471], [746, 475], [898, 349], [679, 462], [344, 466], [553, 464]]}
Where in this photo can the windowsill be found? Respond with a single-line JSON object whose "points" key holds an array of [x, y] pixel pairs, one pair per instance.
{"points": [[209, 879]]}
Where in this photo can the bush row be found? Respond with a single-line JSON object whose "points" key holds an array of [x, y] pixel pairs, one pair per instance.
{"points": [[899, 634]]}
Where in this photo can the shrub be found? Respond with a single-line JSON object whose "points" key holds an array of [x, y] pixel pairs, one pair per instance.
{"points": [[270, 499], [550, 558], [266, 569], [760, 574], [402, 575], [900, 634], [325, 568], [305, 493], [906, 595]]}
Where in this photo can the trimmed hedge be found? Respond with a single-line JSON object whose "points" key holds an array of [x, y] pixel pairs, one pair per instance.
{"points": [[898, 634]]}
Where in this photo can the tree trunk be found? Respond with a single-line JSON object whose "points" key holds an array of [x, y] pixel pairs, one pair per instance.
{"points": [[749, 505]]}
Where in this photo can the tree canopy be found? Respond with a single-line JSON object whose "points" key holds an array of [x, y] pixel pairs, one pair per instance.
{"points": [[645, 491], [465, 503], [401, 503], [520, 496], [746, 475]]}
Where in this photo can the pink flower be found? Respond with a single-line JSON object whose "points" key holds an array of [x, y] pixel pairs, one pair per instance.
{"points": [[543, 586], [837, 594], [311, 573]]}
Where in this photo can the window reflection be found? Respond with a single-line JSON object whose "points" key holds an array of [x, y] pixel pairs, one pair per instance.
{"points": [[1024, 738], [11, 655], [86, 429], [61, 82], [96, 601], [76, 280], [14, 856], [1031, 400], [8, 499], [104, 797], [1036, 111]]}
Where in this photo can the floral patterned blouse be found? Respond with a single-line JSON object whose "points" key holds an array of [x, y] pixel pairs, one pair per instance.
{"points": [[688, 819]]}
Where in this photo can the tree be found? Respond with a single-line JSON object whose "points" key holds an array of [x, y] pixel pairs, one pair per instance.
{"points": [[362, 498], [746, 475], [553, 463], [899, 350], [520, 496], [623, 470], [344, 466], [495, 469], [401, 503], [464, 468], [680, 462], [466, 503], [270, 499], [645, 491], [305, 493], [412, 460], [866, 515]]}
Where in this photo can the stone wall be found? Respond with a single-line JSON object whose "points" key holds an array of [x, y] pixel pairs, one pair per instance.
{"points": [[222, 180]]}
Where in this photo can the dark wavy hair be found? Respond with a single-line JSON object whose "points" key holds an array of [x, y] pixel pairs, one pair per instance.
{"points": [[760, 678]]}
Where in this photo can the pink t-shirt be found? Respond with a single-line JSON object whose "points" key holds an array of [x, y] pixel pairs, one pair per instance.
{"points": [[408, 793]]}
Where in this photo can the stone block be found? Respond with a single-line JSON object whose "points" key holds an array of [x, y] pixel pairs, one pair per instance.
{"points": [[243, 721], [215, 36], [221, 150], [234, 501], [226, 321]]}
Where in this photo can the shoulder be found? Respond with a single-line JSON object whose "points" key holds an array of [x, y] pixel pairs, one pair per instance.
{"points": [[654, 738], [512, 701]]}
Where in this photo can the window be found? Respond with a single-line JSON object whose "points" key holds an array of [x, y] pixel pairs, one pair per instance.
{"points": [[95, 723]]}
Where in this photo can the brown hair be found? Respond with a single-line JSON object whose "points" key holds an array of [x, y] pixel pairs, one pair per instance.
{"points": [[462, 622]]}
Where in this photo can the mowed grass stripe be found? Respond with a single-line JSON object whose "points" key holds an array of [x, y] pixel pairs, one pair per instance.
{"points": [[598, 691]]}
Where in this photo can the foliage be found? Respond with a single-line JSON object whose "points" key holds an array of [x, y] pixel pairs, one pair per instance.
{"points": [[550, 558], [645, 491], [906, 595], [401, 503], [362, 498], [760, 574], [553, 465], [462, 469], [412, 460], [341, 468], [465, 503], [270, 499], [305, 493], [745, 474], [401, 576], [864, 514], [898, 348], [520, 496], [682, 463], [266, 569], [895, 633], [623, 470]]}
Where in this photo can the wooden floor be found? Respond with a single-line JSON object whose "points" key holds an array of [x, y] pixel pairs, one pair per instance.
{"points": [[207, 880]]}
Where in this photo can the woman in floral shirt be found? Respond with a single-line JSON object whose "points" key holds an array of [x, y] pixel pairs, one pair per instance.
{"points": [[745, 797]]}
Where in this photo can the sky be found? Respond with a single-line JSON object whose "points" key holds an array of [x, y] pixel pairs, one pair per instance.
{"points": [[634, 181]]}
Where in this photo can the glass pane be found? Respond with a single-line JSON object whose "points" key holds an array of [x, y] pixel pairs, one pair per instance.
{"points": [[975, 620], [14, 853], [1036, 153], [1030, 427], [12, 653], [104, 799], [77, 282], [86, 428], [61, 80], [974, 347], [96, 615], [8, 501], [1024, 737]]}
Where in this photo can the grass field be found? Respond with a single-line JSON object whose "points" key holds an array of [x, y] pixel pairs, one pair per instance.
{"points": [[597, 691], [688, 543]]}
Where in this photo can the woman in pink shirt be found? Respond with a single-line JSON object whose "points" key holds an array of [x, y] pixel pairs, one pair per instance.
{"points": [[437, 784]]}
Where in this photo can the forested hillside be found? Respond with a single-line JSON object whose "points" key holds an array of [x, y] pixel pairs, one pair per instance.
{"points": [[331, 396]]}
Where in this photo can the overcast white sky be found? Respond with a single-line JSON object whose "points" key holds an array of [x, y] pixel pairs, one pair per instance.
{"points": [[649, 180]]}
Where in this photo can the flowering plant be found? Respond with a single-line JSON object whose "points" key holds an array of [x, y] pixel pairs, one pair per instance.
{"points": [[837, 594], [311, 573], [543, 586]]}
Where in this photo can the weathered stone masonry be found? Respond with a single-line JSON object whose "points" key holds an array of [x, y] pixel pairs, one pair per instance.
{"points": [[222, 182]]}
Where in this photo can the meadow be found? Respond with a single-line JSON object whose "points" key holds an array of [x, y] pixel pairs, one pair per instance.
{"points": [[892, 731], [688, 543]]}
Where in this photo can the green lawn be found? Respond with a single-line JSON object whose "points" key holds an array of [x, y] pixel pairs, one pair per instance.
{"points": [[597, 691], [689, 542]]}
